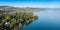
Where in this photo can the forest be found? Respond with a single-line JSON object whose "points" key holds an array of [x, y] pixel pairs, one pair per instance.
{"points": [[15, 18]]}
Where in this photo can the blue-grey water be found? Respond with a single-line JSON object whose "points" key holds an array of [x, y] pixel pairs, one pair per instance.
{"points": [[47, 20]]}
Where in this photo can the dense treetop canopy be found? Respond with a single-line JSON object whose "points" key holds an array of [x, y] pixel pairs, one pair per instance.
{"points": [[12, 21]]}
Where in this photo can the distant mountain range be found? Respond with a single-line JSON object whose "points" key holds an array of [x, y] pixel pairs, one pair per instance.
{"points": [[25, 8], [51, 8]]}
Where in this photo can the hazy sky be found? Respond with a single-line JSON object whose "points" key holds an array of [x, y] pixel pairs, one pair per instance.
{"points": [[32, 3]]}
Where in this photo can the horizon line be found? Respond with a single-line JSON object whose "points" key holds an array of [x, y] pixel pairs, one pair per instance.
{"points": [[27, 6]]}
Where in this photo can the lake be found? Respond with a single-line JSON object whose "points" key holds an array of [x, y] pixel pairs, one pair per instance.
{"points": [[47, 20]]}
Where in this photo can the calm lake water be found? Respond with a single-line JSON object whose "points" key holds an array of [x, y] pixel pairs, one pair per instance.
{"points": [[48, 20]]}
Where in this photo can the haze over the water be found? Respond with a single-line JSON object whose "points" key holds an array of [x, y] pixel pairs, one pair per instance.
{"points": [[31, 3]]}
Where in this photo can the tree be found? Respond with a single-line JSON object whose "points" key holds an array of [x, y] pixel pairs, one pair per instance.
{"points": [[18, 20]]}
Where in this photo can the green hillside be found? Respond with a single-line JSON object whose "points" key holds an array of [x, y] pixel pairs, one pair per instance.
{"points": [[14, 18]]}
